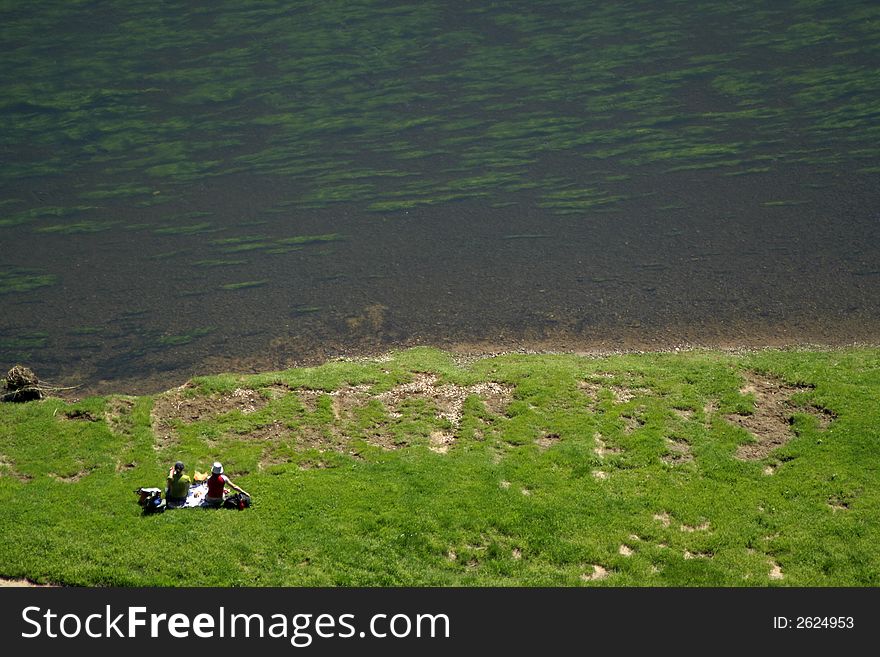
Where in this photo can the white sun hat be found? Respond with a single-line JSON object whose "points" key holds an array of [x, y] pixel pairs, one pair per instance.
{"points": [[218, 468]]}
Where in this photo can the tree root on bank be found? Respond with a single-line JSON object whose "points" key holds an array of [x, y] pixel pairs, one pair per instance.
{"points": [[22, 385]]}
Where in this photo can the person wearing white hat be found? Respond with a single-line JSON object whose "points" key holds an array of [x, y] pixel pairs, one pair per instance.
{"points": [[216, 482]]}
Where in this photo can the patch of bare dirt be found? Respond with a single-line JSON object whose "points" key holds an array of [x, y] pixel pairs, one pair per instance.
{"points": [[678, 451], [598, 573], [591, 391], [684, 414], [447, 398], [440, 441], [547, 440], [625, 550], [71, 479], [21, 583], [771, 421], [602, 449], [697, 555], [631, 423], [80, 415], [344, 400], [702, 527], [775, 571], [7, 469], [624, 394], [838, 504], [270, 433], [621, 394], [663, 518], [824, 416], [178, 406]]}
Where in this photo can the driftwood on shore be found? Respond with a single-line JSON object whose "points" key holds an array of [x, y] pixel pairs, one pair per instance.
{"points": [[22, 385]]}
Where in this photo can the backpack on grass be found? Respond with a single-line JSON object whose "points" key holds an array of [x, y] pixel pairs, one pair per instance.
{"points": [[151, 500], [238, 501]]}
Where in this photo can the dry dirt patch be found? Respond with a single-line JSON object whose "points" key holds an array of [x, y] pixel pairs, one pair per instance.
{"points": [[178, 406], [678, 450], [71, 479], [547, 440], [440, 441], [598, 573], [80, 415], [344, 400], [4, 582], [602, 449], [631, 423], [697, 555], [7, 468], [775, 571], [770, 423], [621, 394], [702, 527], [684, 414], [591, 391], [446, 399]]}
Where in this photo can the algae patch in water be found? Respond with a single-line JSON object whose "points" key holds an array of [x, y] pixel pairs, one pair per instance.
{"points": [[19, 280]]}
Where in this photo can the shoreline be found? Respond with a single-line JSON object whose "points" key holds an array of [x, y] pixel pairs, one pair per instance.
{"points": [[463, 354]]}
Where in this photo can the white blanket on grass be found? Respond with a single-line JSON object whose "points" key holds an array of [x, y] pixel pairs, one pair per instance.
{"points": [[196, 495]]}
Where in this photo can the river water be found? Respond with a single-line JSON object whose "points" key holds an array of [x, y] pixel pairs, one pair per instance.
{"points": [[189, 188]]}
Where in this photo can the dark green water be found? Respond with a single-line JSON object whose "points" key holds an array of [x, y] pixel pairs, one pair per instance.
{"points": [[187, 187]]}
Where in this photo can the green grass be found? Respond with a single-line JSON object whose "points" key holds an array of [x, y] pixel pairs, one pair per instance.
{"points": [[625, 462]]}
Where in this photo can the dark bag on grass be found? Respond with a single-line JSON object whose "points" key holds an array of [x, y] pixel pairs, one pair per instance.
{"points": [[238, 501], [151, 500]]}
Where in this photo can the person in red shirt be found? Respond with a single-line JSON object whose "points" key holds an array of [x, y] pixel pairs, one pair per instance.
{"points": [[216, 482]]}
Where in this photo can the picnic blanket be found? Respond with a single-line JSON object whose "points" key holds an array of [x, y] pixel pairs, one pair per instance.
{"points": [[196, 496]]}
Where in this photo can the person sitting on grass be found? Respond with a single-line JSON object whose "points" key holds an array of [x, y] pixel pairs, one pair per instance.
{"points": [[216, 482], [178, 486]]}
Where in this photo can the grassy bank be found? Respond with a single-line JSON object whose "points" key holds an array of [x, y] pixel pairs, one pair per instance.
{"points": [[674, 469]]}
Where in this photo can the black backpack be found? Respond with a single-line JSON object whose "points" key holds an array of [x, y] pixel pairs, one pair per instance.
{"points": [[238, 501], [151, 500]]}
